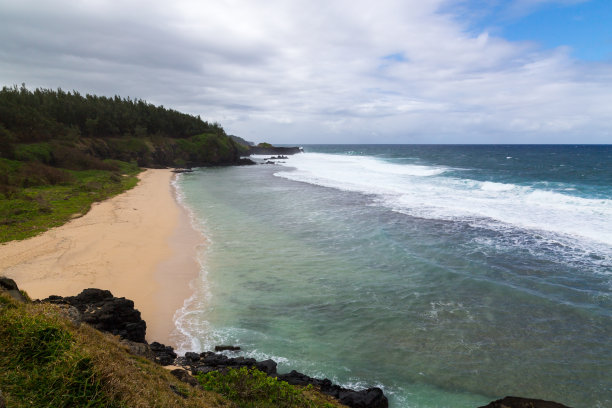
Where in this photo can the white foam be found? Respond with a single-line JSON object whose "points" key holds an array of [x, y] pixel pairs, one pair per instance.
{"points": [[187, 321], [490, 186], [429, 192]]}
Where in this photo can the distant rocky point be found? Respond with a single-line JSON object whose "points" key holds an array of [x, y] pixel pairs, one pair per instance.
{"points": [[240, 140], [268, 149]]}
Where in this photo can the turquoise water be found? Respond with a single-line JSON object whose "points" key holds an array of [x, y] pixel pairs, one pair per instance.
{"points": [[446, 275]]}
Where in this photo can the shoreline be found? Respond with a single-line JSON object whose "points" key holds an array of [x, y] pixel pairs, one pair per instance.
{"points": [[139, 245], [182, 267]]}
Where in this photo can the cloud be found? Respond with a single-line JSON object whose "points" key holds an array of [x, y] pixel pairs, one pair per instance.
{"points": [[318, 71]]}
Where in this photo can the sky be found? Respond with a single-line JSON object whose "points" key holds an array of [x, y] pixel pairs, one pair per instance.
{"points": [[333, 71]]}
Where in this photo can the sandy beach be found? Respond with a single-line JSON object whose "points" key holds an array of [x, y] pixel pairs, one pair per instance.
{"points": [[139, 245]]}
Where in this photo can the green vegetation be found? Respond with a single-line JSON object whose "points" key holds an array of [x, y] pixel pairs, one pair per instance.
{"points": [[251, 388], [44, 114], [207, 148], [66, 129], [61, 151], [40, 364], [48, 361], [35, 197]]}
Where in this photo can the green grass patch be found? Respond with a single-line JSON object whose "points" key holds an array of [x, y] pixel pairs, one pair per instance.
{"points": [[47, 361], [251, 388], [41, 364], [26, 210]]}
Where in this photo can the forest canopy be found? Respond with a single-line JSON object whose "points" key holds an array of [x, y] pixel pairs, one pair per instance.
{"points": [[61, 151], [54, 126], [45, 114]]}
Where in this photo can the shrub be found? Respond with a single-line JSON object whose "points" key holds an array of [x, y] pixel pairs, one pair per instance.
{"points": [[208, 148], [38, 174], [74, 159], [40, 152], [254, 389], [7, 149]]}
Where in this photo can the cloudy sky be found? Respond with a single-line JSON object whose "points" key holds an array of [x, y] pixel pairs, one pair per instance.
{"points": [[333, 71]]}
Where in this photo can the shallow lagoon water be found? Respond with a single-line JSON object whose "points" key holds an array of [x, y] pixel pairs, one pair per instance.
{"points": [[447, 275]]}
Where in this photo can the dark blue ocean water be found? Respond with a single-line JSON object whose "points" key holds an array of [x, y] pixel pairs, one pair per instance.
{"points": [[448, 275]]}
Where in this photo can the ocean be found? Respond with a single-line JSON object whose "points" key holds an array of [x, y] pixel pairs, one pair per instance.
{"points": [[447, 275]]}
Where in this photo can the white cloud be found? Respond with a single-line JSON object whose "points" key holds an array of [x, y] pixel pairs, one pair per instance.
{"points": [[318, 71]]}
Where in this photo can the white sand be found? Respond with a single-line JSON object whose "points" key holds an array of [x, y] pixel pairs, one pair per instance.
{"points": [[139, 245]]}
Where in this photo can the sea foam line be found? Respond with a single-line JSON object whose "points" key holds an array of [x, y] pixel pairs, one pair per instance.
{"points": [[432, 192], [186, 321]]}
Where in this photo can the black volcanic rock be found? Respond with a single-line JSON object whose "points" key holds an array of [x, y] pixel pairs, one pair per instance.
{"points": [[243, 161], [227, 348], [369, 398], [100, 309], [164, 355], [10, 287], [372, 397], [518, 402], [267, 366], [210, 361], [192, 357]]}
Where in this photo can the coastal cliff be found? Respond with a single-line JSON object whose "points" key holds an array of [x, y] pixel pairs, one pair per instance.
{"points": [[90, 350], [70, 131]]}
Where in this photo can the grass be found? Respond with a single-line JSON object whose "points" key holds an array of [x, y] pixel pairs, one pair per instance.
{"points": [[45, 370], [251, 388], [33, 208], [47, 361], [41, 365]]}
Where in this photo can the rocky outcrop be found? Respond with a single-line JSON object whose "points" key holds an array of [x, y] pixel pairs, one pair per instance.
{"points": [[9, 286], [208, 361], [101, 310], [274, 150], [368, 398], [227, 348], [164, 355], [518, 402], [243, 161]]}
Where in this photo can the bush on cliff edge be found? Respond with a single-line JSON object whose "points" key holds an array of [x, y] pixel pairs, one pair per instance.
{"points": [[47, 361]]}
